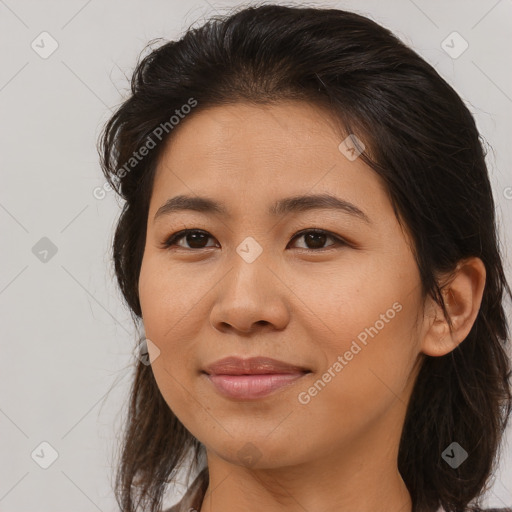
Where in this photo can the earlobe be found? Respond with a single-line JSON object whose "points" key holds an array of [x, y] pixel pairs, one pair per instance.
{"points": [[462, 294]]}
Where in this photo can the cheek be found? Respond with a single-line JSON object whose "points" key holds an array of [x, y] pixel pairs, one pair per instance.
{"points": [[341, 299], [363, 327], [165, 297], [170, 309], [366, 372]]}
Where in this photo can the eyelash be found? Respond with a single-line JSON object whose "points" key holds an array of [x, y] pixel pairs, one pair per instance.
{"points": [[171, 240]]}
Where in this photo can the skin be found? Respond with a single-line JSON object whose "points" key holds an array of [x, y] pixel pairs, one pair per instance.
{"points": [[301, 302]]}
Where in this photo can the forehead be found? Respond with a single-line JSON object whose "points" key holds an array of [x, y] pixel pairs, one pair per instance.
{"points": [[243, 130], [242, 152]]}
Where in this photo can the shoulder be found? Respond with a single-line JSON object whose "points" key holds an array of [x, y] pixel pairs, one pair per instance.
{"points": [[192, 499], [184, 505], [180, 507], [477, 509], [174, 508], [506, 509]]}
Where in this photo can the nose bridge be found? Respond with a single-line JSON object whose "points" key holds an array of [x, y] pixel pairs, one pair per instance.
{"points": [[249, 292], [250, 274]]}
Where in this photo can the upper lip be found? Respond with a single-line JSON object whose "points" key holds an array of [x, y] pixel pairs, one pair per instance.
{"points": [[252, 366]]}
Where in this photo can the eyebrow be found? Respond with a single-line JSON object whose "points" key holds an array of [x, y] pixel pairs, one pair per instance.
{"points": [[281, 207]]}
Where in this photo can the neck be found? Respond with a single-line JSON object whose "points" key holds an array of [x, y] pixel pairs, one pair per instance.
{"points": [[363, 477]]}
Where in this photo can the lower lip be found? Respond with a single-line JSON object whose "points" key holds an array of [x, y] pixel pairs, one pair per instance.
{"points": [[252, 386]]}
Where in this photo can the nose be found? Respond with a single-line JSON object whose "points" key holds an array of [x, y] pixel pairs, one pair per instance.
{"points": [[250, 297]]}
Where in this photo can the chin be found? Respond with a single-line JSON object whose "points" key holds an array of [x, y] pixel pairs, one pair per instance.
{"points": [[256, 452]]}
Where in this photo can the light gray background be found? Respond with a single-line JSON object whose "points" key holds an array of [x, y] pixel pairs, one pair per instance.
{"points": [[67, 341]]}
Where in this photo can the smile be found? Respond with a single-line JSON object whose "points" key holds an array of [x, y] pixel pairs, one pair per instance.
{"points": [[250, 387]]}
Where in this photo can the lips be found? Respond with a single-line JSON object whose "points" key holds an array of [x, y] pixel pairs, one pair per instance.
{"points": [[253, 366], [252, 379]]}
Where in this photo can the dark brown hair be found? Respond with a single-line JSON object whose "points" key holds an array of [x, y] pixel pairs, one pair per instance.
{"points": [[422, 141]]}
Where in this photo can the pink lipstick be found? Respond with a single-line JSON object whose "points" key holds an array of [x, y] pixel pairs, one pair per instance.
{"points": [[253, 378]]}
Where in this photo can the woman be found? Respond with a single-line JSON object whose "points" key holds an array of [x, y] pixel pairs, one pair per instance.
{"points": [[366, 372]]}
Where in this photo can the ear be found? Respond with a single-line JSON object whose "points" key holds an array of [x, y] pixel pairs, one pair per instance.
{"points": [[462, 292]]}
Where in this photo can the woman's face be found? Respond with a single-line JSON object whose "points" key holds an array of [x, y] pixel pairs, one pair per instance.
{"points": [[342, 303]]}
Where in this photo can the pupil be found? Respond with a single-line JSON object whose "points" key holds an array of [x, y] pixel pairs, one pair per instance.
{"points": [[193, 237], [310, 236]]}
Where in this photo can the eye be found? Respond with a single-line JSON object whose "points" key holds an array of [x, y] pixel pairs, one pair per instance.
{"points": [[196, 238], [317, 238]]}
